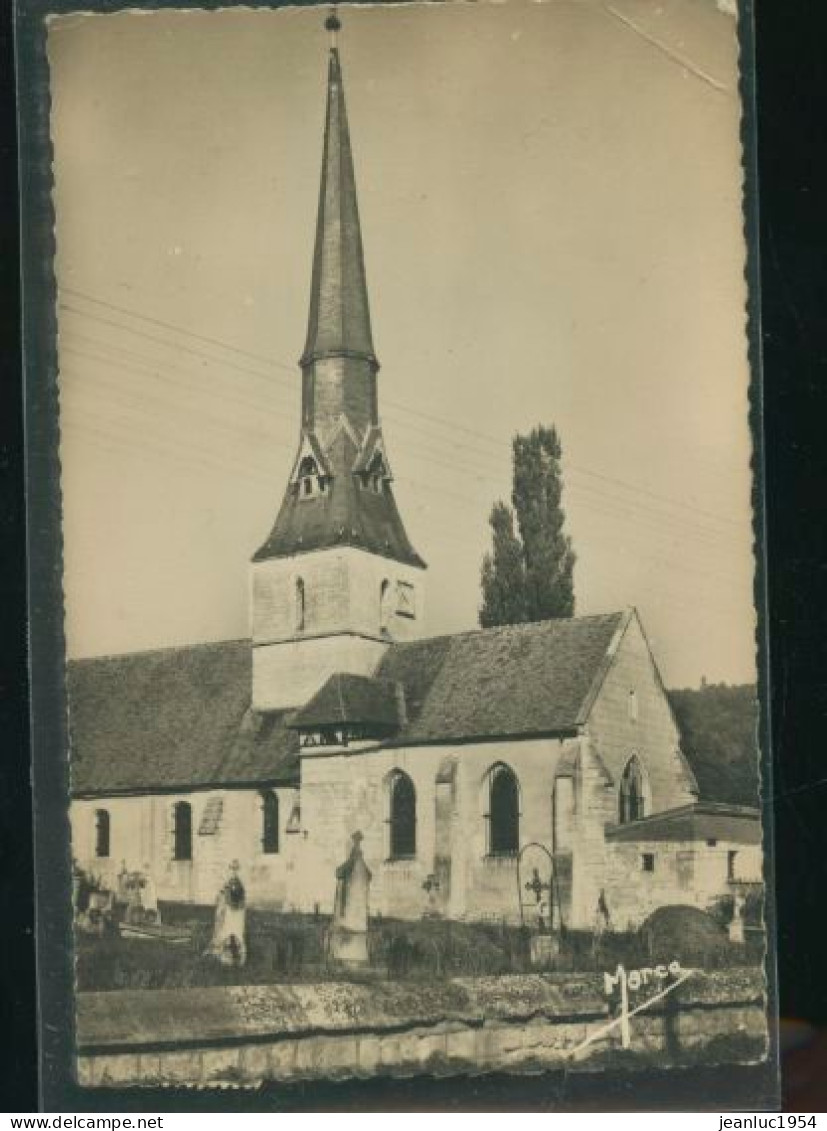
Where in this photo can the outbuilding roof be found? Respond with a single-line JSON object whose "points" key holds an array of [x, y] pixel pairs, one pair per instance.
{"points": [[705, 821]]}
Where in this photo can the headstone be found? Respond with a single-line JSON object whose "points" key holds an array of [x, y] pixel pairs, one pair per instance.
{"points": [[99, 912], [431, 887], [229, 941], [149, 897], [736, 924], [349, 930], [544, 949], [536, 894], [133, 890], [123, 884], [602, 922]]}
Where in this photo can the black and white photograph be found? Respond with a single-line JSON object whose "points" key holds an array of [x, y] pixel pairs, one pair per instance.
{"points": [[408, 541]]}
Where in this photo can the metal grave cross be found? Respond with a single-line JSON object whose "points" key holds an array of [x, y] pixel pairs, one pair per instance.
{"points": [[536, 885]]}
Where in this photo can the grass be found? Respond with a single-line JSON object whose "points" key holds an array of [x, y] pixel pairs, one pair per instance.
{"points": [[290, 948]]}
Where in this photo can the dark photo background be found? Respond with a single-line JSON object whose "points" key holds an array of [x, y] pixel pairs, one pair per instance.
{"points": [[791, 110]]}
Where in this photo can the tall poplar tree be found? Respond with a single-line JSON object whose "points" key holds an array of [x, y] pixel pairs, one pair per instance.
{"points": [[503, 573], [528, 575]]}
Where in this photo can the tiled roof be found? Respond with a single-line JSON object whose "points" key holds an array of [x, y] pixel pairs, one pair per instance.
{"points": [[355, 699], [498, 682], [173, 719], [704, 821], [180, 718]]}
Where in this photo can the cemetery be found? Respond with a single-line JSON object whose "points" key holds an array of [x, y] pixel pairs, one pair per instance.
{"points": [[127, 939]]}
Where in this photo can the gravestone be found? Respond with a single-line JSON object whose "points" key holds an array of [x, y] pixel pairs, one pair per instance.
{"points": [[736, 923], [133, 890], [229, 941], [431, 886], [538, 906], [98, 916], [349, 930], [149, 896]]}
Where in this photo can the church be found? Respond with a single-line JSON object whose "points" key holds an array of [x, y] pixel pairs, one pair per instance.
{"points": [[453, 758]]}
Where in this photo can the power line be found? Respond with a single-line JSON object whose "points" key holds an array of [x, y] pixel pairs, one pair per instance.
{"points": [[104, 440], [453, 425], [174, 447], [612, 507], [656, 518]]}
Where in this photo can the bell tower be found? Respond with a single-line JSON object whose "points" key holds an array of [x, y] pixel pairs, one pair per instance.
{"points": [[337, 578]]}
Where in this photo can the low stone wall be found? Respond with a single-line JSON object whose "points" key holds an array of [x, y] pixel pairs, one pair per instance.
{"points": [[248, 1034]]}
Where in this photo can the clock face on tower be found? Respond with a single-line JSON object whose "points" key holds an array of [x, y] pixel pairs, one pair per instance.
{"points": [[405, 600]]}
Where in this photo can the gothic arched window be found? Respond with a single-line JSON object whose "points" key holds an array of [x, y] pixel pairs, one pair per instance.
{"points": [[503, 812], [182, 831], [300, 605], [269, 822], [633, 799], [102, 832], [402, 816]]}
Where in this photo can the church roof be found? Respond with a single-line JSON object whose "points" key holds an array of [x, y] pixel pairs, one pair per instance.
{"points": [[346, 514], [356, 699], [173, 719], [180, 718], [499, 682]]}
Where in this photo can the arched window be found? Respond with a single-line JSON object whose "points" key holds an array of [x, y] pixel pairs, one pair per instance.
{"points": [[300, 605], [385, 610], [503, 812], [101, 832], [269, 822], [182, 830], [402, 818], [309, 480], [633, 799]]}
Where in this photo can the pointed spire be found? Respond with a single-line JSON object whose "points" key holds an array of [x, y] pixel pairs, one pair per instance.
{"points": [[339, 322]]}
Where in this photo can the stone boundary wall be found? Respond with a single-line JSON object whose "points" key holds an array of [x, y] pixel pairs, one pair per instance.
{"points": [[245, 1035]]}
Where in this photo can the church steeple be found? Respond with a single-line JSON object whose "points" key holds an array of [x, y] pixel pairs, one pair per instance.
{"points": [[339, 322], [337, 579], [339, 493]]}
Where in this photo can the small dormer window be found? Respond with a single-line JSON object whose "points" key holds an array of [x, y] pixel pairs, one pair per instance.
{"points": [[311, 483], [375, 474]]}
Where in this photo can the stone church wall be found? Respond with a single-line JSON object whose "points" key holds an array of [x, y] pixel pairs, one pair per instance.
{"points": [[630, 717], [342, 622], [346, 792], [142, 833], [619, 730]]}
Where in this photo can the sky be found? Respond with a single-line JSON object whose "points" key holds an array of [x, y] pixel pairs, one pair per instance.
{"points": [[550, 197]]}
